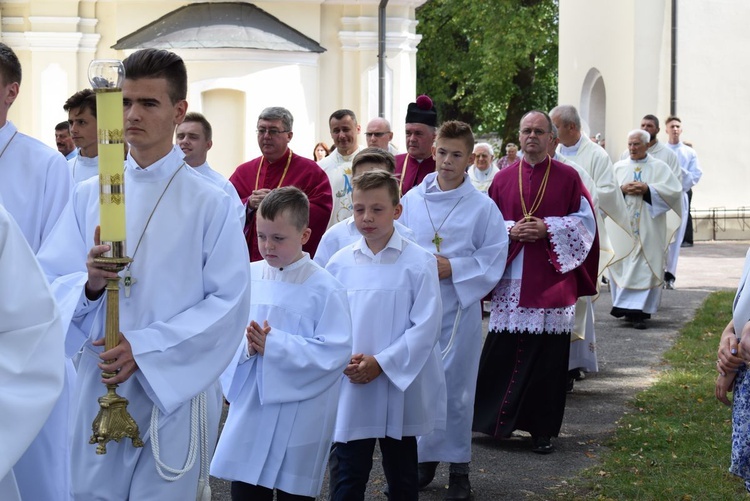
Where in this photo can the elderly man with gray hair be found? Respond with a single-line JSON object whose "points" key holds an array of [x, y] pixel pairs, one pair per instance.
{"points": [[651, 191], [483, 169]]}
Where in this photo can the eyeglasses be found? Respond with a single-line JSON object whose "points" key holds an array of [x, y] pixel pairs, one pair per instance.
{"points": [[271, 132], [376, 134], [537, 132]]}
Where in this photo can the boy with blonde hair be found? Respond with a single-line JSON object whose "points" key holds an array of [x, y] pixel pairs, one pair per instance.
{"points": [[394, 389]]}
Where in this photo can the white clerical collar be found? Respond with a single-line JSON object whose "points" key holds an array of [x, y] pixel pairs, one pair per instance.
{"points": [[571, 151], [347, 158], [160, 169], [86, 161], [202, 168], [479, 175], [641, 160], [297, 272], [396, 243], [433, 186]]}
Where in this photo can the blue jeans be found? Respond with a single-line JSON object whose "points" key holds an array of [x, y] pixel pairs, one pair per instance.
{"points": [[350, 464]]}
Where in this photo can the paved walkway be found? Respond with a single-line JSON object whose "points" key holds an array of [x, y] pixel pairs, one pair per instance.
{"points": [[628, 361]]}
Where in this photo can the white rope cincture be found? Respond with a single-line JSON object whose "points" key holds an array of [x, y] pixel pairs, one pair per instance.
{"points": [[198, 426], [447, 349]]}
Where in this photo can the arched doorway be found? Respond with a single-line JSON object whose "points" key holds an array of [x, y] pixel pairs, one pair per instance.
{"points": [[594, 103]]}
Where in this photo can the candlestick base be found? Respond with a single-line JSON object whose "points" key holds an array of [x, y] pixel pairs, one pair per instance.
{"points": [[113, 422]]}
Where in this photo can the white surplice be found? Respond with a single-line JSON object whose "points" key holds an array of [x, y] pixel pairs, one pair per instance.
{"points": [[636, 280], [184, 318], [691, 174], [394, 298], [475, 242], [482, 179], [82, 168], [346, 233], [32, 363], [583, 338], [35, 185], [338, 168], [223, 183], [289, 394]]}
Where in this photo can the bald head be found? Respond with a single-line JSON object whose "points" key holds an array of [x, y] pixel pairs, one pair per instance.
{"points": [[378, 133]]}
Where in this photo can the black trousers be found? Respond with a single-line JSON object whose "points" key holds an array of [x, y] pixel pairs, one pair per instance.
{"points": [[249, 492], [350, 464], [688, 238]]}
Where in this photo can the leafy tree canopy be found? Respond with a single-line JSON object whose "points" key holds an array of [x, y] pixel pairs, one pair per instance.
{"points": [[487, 62]]}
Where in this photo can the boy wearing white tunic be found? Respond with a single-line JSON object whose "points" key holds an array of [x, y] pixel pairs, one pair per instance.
{"points": [[465, 230], [284, 381], [345, 232], [181, 314], [394, 388]]}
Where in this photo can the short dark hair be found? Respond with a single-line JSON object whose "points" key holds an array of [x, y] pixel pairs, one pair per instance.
{"points": [[82, 100], [10, 66], [549, 120], [278, 113], [376, 179], [374, 156], [672, 118], [339, 114], [159, 63], [453, 129], [194, 116], [653, 119], [287, 198], [63, 126]]}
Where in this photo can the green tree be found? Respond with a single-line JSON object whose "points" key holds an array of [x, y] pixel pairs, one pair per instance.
{"points": [[487, 62]]}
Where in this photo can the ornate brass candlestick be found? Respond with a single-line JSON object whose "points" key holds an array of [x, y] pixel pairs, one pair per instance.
{"points": [[113, 421]]}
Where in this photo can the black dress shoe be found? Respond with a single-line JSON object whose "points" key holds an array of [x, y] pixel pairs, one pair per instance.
{"points": [[542, 445], [459, 488], [639, 324], [426, 472]]}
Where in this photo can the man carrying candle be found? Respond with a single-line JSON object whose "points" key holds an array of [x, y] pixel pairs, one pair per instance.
{"points": [[183, 311], [35, 185]]}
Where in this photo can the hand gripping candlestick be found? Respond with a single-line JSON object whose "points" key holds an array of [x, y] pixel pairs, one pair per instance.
{"points": [[106, 76]]}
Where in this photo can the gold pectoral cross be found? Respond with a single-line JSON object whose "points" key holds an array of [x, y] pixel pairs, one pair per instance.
{"points": [[437, 240], [128, 281]]}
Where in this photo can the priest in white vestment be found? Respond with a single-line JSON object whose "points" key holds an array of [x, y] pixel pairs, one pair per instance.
{"points": [[32, 364], [338, 165], [651, 190], [35, 185], [484, 168], [465, 231], [182, 311]]}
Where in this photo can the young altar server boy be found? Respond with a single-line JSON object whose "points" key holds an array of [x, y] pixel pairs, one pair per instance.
{"points": [[394, 388], [345, 232], [465, 231], [284, 382]]}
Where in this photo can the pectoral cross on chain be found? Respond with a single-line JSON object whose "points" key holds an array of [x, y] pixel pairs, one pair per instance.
{"points": [[437, 241], [128, 281]]}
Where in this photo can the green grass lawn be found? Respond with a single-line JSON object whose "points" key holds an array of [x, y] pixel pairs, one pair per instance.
{"points": [[675, 441]]}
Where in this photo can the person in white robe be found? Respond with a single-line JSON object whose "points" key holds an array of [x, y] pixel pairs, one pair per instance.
{"points": [[288, 388], [35, 185], [194, 136], [181, 315], [32, 364], [338, 165], [484, 168], [691, 175], [345, 232], [395, 386], [651, 190], [81, 110], [465, 231], [582, 356]]}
